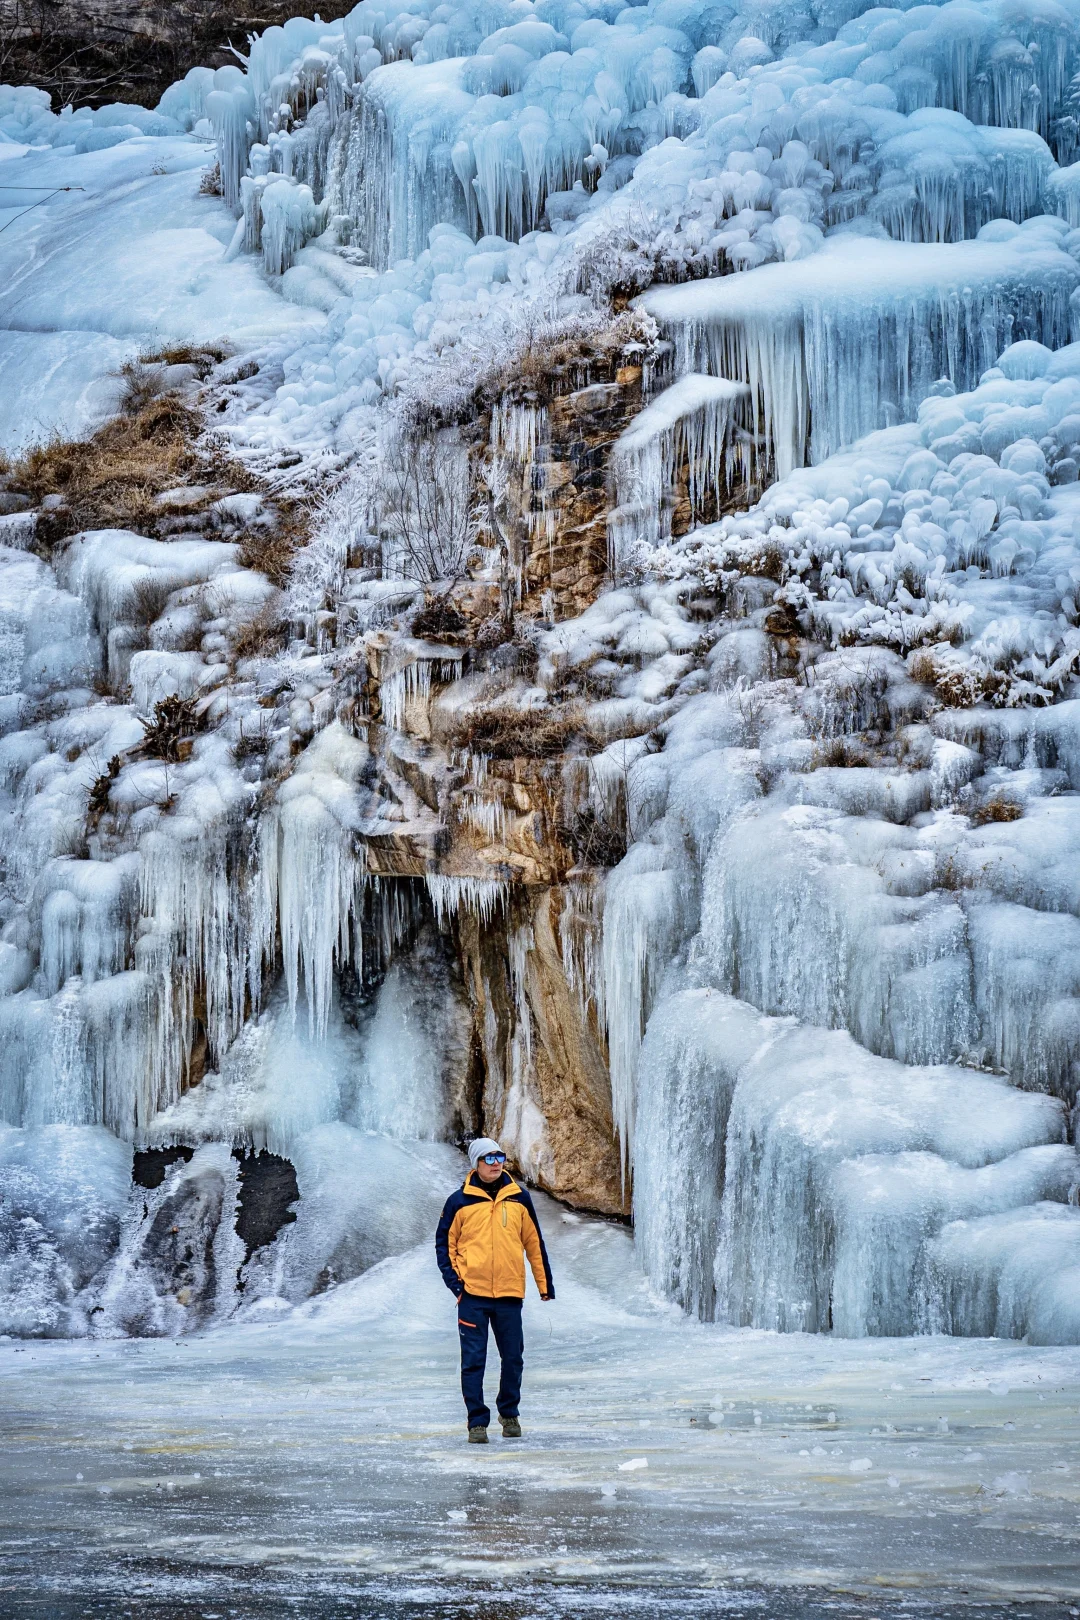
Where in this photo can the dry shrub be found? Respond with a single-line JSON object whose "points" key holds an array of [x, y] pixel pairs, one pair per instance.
{"points": [[210, 181], [98, 800], [251, 745], [262, 636], [769, 563], [842, 751], [996, 810], [143, 382], [507, 733], [596, 840], [947, 875], [174, 723], [271, 551], [201, 357], [959, 686], [439, 620], [148, 598]]}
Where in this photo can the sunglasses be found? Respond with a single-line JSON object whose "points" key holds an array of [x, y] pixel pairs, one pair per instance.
{"points": [[494, 1158]]}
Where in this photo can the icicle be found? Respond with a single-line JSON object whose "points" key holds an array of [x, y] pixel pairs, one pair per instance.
{"points": [[689, 423], [581, 940], [449, 895]]}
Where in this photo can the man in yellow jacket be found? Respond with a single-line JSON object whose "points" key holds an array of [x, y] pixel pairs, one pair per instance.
{"points": [[487, 1228]]}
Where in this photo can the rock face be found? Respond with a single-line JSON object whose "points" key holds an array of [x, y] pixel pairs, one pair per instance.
{"points": [[89, 52], [547, 1096], [485, 786]]}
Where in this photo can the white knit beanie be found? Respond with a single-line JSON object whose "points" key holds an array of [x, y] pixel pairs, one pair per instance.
{"points": [[482, 1145]]}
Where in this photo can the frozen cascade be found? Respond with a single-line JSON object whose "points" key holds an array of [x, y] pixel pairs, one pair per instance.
{"points": [[113, 956], [178, 1257], [882, 877], [394, 174], [312, 857], [66, 1190], [893, 317], [816, 1170]]}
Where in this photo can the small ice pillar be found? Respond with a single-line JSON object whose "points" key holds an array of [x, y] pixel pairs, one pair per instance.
{"points": [[395, 176], [644, 905], [694, 423], [313, 860], [231, 109], [1008, 1275], [290, 217]]}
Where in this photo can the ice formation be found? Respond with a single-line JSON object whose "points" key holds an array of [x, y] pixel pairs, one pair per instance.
{"points": [[838, 968]]}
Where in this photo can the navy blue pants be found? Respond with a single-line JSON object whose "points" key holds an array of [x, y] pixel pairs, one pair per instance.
{"points": [[504, 1316]]}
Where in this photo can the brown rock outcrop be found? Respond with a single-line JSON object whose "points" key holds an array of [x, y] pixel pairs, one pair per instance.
{"points": [[89, 52], [547, 1095]]}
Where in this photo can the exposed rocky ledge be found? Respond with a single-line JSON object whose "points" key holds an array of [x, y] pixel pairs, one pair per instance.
{"points": [[97, 51]]}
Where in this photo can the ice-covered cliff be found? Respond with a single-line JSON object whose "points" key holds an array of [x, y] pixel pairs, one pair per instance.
{"points": [[606, 673]]}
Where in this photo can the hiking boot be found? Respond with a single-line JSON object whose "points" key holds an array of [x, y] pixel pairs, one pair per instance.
{"points": [[478, 1436], [511, 1428]]}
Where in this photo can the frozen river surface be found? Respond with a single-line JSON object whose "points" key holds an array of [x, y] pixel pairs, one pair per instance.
{"points": [[314, 1462]]}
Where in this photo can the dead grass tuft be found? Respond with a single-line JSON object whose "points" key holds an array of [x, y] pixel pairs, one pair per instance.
{"points": [[201, 357], [251, 745], [262, 636], [148, 598], [507, 733], [271, 551], [110, 481], [841, 751], [143, 382], [996, 810]]}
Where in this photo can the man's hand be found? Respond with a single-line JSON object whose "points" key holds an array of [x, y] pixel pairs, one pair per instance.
{"points": [[547, 1298]]}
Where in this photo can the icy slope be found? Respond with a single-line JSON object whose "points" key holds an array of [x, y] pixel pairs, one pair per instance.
{"points": [[132, 260]]}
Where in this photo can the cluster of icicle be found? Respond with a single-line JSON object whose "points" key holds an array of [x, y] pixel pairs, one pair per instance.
{"points": [[484, 161]]}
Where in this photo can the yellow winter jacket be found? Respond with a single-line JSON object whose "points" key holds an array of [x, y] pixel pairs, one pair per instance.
{"points": [[481, 1243]]}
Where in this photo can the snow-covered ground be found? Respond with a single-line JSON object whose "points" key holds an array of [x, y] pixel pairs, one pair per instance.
{"points": [[131, 260], [319, 1457]]}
